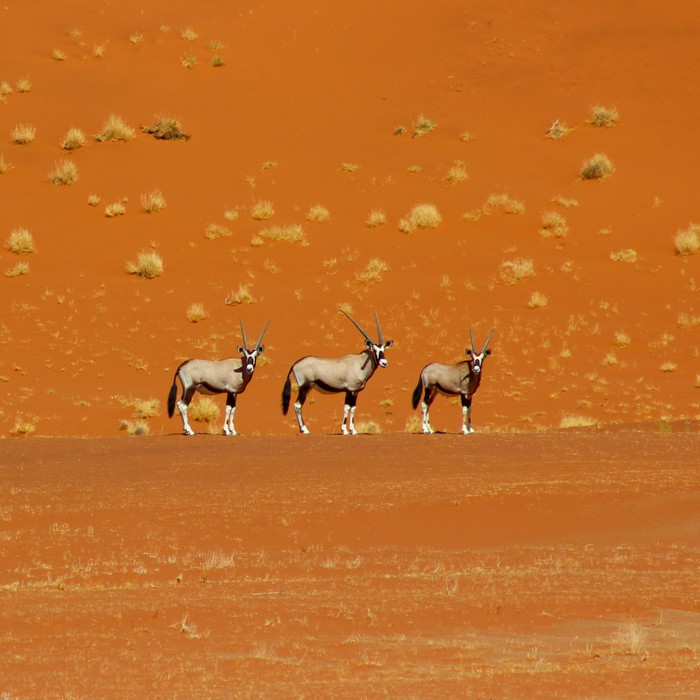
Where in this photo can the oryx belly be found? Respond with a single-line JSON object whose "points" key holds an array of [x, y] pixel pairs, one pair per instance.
{"points": [[449, 380], [333, 375], [216, 376]]}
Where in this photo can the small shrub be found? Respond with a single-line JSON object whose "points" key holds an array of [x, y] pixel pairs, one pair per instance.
{"points": [[98, 50], [189, 62], [58, 55], [23, 134], [292, 234], [17, 270], [687, 241], [514, 271], [218, 61], [318, 213], [196, 313], [166, 129], [558, 130], [629, 638], [596, 168], [372, 272], [21, 242], [603, 116], [503, 202], [204, 410], [65, 172], [376, 218], [73, 139], [537, 300], [242, 295], [457, 173], [115, 209], [189, 34], [4, 165], [423, 126], [422, 216], [628, 255], [23, 85], [553, 225], [262, 210], [622, 339], [94, 200], [231, 214], [135, 37], [577, 421], [134, 428], [213, 231], [23, 427], [349, 167], [145, 408], [148, 265], [115, 129], [153, 201]]}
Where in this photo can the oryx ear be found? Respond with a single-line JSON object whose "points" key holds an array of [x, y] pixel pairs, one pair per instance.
{"points": [[388, 343], [261, 349], [240, 350], [468, 352], [488, 352], [369, 343]]}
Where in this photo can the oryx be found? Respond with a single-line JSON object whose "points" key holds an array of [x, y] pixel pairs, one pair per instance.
{"points": [[348, 374], [462, 378], [230, 377]]}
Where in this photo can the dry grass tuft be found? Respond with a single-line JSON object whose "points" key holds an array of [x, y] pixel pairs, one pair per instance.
{"points": [[538, 300], [23, 427], [687, 241], [422, 216], [553, 225], [204, 410], [115, 129], [115, 209], [318, 213], [153, 201], [242, 295], [21, 242], [134, 428], [630, 638], [628, 255], [558, 130], [166, 129], [577, 421], [94, 200], [148, 265], [604, 116], [213, 231], [376, 218], [65, 172], [372, 272], [622, 339], [423, 126], [514, 271], [597, 167], [74, 139], [17, 270], [4, 165], [262, 210], [196, 313], [686, 321], [189, 34], [502, 201], [457, 173], [23, 134], [293, 233]]}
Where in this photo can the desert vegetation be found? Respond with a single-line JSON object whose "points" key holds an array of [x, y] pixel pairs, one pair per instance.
{"points": [[603, 116], [166, 129], [65, 172], [421, 216], [148, 264], [115, 129], [22, 134], [687, 241], [598, 167], [74, 139], [20, 242], [153, 201]]}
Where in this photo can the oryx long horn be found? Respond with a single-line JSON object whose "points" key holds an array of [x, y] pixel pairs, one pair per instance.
{"points": [[245, 340], [357, 325], [488, 340], [379, 330], [257, 345], [471, 338]]}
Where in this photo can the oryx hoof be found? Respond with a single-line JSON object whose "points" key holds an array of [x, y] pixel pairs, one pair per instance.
{"points": [[304, 430], [189, 432]]}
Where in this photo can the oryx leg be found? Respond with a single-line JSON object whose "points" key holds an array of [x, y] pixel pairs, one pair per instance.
{"points": [[230, 412], [301, 398], [349, 414], [466, 415], [428, 398], [188, 391]]}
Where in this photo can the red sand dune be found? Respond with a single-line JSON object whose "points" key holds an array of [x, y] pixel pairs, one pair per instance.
{"points": [[304, 92]]}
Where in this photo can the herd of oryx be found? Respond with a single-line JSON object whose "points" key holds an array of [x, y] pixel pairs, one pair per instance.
{"points": [[330, 375]]}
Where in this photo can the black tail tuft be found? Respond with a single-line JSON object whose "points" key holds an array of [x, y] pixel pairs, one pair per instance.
{"points": [[171, 399], [417, 392], [286, 395]]}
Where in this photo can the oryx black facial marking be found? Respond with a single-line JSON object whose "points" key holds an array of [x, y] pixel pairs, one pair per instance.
{"points": [[348, 374], [230, 377], [462, 378]]}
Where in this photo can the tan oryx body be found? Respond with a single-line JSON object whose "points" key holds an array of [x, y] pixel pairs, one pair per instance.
{"points": [[230, 376], [349, 374], [461, 379]]}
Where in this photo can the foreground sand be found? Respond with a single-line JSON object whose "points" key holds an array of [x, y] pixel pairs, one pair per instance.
{"points": [[560, 564]]}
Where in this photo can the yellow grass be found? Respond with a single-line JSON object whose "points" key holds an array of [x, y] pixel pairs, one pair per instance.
{"points": [[553, 225], [17, 270], [153, 201], [115, 129], [262, 210], [598, 167], [687, 241], [603, 116], [115, 209], [196, 313], [423, 126], [376, 218], [293, 233], [23, 134], [65, 172], [318, 213], [514, 271], [74, 139], [372, 272], [242, 295], [422, 216], [148, 265], [21, 242]]}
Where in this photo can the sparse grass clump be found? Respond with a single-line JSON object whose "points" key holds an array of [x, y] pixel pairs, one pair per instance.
{"points": [[152, 201], [553, 225], [376, 218], [17, 270], [422, 216], [622, 339], [94, 200], [293, 233], [538, 300], [65, 172], [58, 55], [514, 271], [628, 255], [349, 167], [21, 242], [318, 213], [687, 241], [372, 272], [262, 210], [23, 85], [603, 116], [189, 34], [23, 427], [196, 313], [4, 165], [558, 130], [242, 295], [23, 134], [115, 209], [577, 421], [596, 168], [213, 231], [189, 62], [503, 202], [166, 129], [423, 126], [218, 61], [115, 129], [629, 638], [74, 139], [148, 265], [457, 173], [134, 428]]}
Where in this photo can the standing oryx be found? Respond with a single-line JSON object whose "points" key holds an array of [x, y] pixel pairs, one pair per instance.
{"points": [[230, 377], [462, 378], [349, 373]]}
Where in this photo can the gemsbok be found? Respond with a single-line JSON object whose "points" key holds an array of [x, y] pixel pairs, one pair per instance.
{"points": [[349, 373], [230, 377], [462, 378]]}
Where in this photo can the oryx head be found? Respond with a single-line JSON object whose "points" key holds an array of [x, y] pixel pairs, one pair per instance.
{"points": [[377, 348], [248, 355], [474, 358]]}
